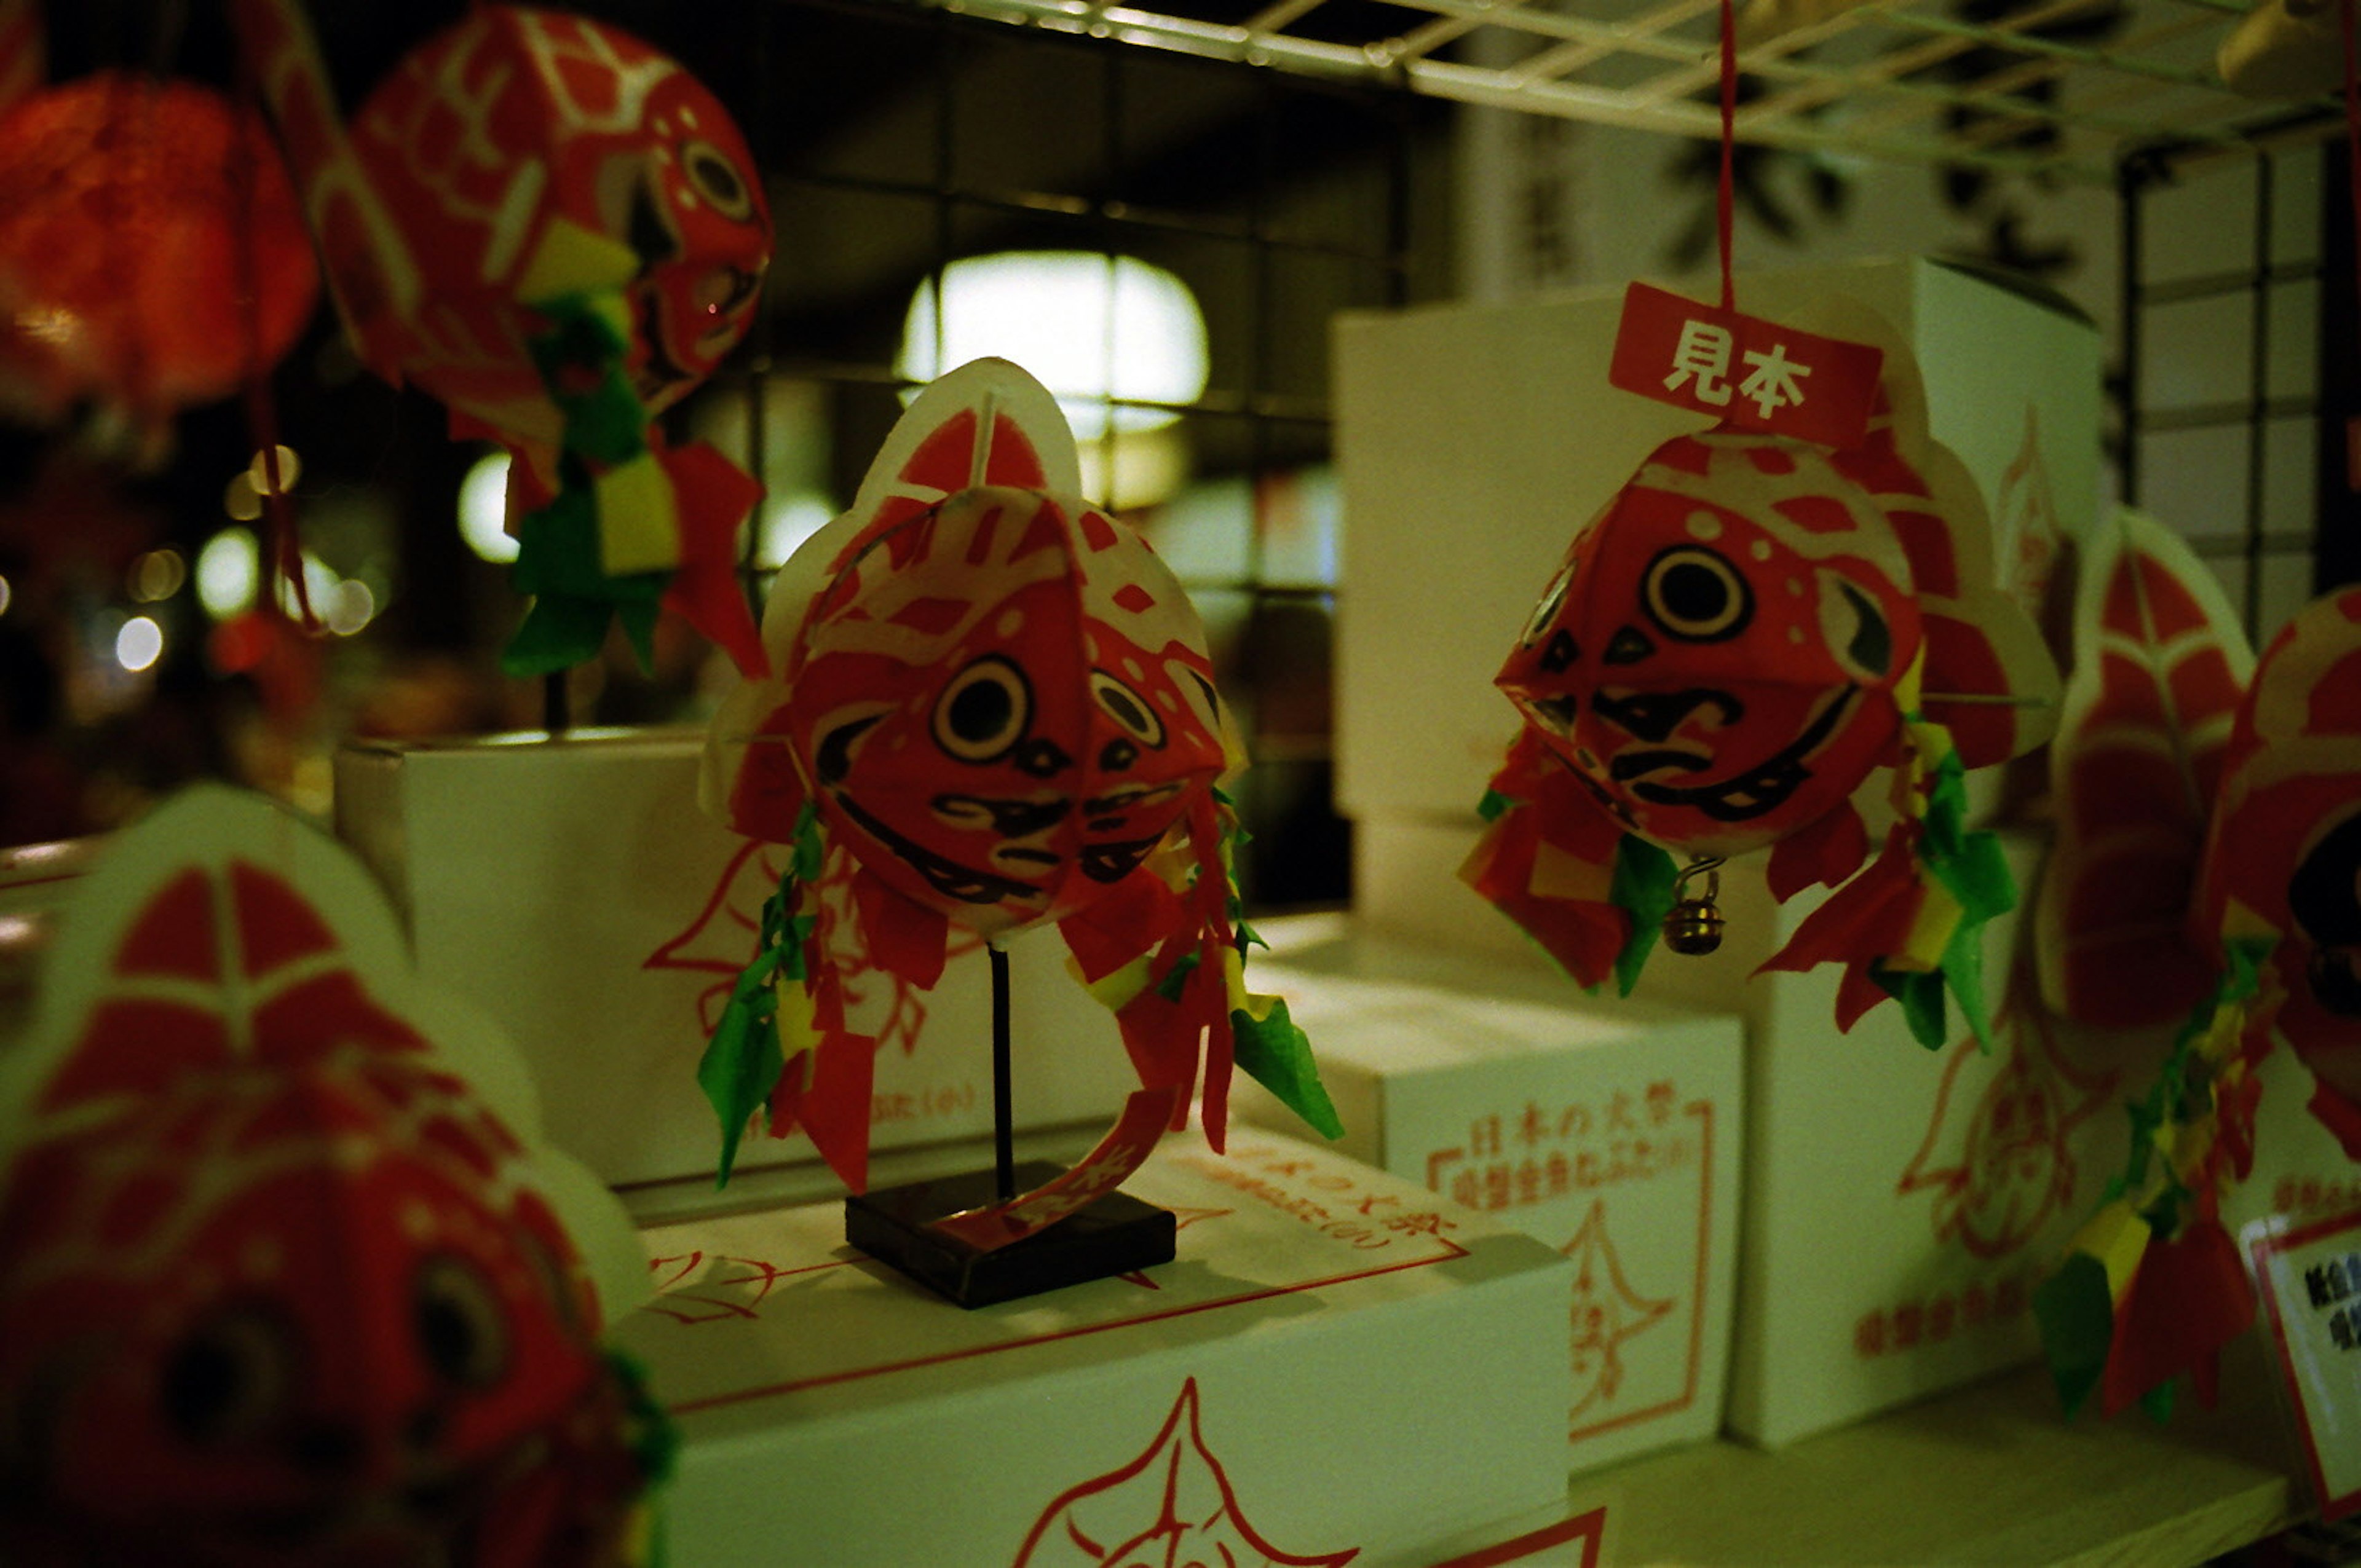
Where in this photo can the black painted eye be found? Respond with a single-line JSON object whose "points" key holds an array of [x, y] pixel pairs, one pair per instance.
{"points": [[230, 1377], [1132, 713], [1870, 647], [1692, 594], [1197, 694], [716, 180], [984, 711], [460, 1325]]}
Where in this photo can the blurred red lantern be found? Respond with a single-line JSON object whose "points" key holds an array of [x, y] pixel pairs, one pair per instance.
{"points": [[152, 255]]}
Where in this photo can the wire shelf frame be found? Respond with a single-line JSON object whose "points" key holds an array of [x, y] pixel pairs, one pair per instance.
{"points": [[2062, 89]]}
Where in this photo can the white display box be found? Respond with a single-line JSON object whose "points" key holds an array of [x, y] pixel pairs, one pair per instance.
{"points": [[574, 890], [1904, 1203], [1610, 1132], [1336, 1363], [1473, 440]]}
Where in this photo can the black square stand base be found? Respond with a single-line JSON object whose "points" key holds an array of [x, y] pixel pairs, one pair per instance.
{"points": [[1115, 1233]]}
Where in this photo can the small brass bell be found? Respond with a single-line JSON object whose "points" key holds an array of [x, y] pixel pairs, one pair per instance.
{"points": [[1693, 927]]}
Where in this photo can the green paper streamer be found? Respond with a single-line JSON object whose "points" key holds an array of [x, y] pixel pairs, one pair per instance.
{"points": [[557, 563], [1642, 888], [556, 634], [808, 852], [1494, 806], [1176, 978], [743, 1062], [580, 359], [1921, 995], [654, 1443], [581, 363], [2077, 1319], [1274, 1052], [639, 621]]}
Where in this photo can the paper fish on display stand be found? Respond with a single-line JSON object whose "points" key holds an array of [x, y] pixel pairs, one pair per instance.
{"points": [[1752, 627], [152, 253], [557, 231], [283, 1279], [2249, 793], [992, 710]]}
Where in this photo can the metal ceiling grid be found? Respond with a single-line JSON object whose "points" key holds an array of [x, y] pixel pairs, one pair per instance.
{"points": [[2060, 88]]}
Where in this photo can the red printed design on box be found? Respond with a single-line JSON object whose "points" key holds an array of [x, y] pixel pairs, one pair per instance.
{"points": [[1172, 1505], [1546, 1152], [1607, 1312], [1933, 1320], [748, 1282], [1334, 1204], [2003, 1166], [1557, 1152], [2030, 536], [723, 935], [755, 1272], [1749, 373]]}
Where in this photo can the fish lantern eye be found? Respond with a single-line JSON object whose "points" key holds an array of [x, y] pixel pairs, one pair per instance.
{"points": [[229, 1376], [1131, 712], [716, 180], [1693, 595], [982, 713], [456, 1315]]}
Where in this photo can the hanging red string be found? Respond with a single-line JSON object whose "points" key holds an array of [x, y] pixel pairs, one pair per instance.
{"points": [[1723, 202]]}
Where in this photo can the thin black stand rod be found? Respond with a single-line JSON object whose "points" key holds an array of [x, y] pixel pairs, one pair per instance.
{"points": [[556, 716], [1004, 1137]]}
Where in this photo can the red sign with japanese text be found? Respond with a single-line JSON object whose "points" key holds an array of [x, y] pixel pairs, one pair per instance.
{"points": [[1747, 372]]}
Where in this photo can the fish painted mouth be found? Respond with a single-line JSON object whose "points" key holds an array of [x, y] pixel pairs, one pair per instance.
{"points": [[1104, 812], [1113, 862], [963, 884], [1742, 797], [1009, 818]]}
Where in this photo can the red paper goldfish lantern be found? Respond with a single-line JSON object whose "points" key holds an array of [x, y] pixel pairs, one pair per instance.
{"points": [[2209, 871], [2283, 860], [1751, 628], [2160, 667], [278, 1286], [557, 231], [995, 709], [1007, 705], [1720, 655], [152, 255]]}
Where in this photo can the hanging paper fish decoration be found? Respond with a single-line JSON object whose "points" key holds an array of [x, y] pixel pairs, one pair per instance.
{"points": [[1746, 633], [2283, 861], [557, 231], [993, 709], [2153, 1286], [280, 1282], [152, 253], [2159, 667]]}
